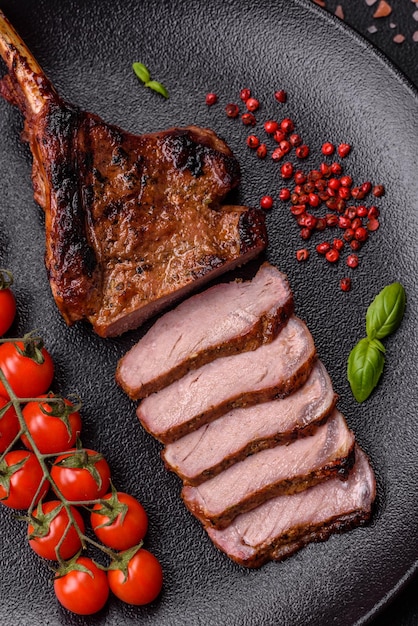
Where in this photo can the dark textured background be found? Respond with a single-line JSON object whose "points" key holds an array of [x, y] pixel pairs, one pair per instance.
{"points": [[338, 87]]}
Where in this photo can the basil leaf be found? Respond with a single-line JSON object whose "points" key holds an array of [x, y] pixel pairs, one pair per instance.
{"points": [[158, 87], [385, 313], [365, 366], [142, 72]]}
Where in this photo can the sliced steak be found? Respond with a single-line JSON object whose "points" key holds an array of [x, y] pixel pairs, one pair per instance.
{"points": [[223, 320], [280, 526], [204, 453], [278, 470], [271, 371]]}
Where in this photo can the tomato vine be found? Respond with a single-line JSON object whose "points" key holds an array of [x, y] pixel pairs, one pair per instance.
{"points": [[34, 468]]}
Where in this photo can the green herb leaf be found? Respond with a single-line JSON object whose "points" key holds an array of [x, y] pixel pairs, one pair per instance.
{"points": [[158, 87], [365, 366], [142, 72], [385, 313]]}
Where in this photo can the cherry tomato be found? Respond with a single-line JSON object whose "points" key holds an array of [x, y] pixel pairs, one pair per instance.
{"points": [[7, 310], [143, 582], [26, 377], [51, 432], [9, 425], [46, 533], [79, 591], [81, 475], [21, 476], [121, 526]]}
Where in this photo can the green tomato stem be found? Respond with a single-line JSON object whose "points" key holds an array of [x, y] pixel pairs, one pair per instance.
{"points": [[42, 458]]}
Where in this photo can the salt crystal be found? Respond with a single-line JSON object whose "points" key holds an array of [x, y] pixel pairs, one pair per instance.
{"points": [[399, 38], [415, 15], [371, 2], [372, 29], [339, 12], [392, 25], [415, 36], [383, 9]]}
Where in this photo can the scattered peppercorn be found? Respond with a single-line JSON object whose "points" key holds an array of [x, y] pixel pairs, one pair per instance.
{"points": [[245, 94], [248, 119], [352, 260], [252, 104], [378, 191], [328, 148], [302, 151], [287, 125], [302, 254], [253, 141], [232, 110], [211, 99], [266, 202], [281, 96], [287, 170], [344, 150], [271, 126], [262, 151], [332, 255], [345, 284]]}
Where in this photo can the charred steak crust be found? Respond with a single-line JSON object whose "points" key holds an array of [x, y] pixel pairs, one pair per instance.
{"points": [[133, 222]]}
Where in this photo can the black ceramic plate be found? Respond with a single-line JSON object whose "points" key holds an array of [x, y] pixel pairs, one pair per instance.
{"points": [[339, 89]]}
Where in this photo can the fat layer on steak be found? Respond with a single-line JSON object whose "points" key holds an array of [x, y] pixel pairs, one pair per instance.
{"points": [[282, 525], [225, 319], [133, 222], [274, 471], [271, 371], [204, 453]]}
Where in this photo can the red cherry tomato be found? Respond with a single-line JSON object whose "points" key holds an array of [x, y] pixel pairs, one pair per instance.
{"points": [[7, 310], [23, 475], [81, 475], [82, 592], [143, 582], [47, 532], [121, 526], [51, 431], [9, 425], [26, 377]]}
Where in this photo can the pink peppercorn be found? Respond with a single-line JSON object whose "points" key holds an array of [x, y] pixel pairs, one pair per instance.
{"points": [[262, 151], [252, 104], [328, 148], [344, 150], [211, 98], [266, 202], [281, 96], [232, 110]]}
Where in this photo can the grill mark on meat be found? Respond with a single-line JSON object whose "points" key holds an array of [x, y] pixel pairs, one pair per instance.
{"points": [[271, 472], [205, 453], [282, 525], [115, 202], [230, 382], [225, 319]]}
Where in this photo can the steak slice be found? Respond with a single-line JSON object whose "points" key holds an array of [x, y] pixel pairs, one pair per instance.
{"points": [[204, 453], [273, 370], [279, 527], [133, 222], [282, 469], [225, 319]]}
